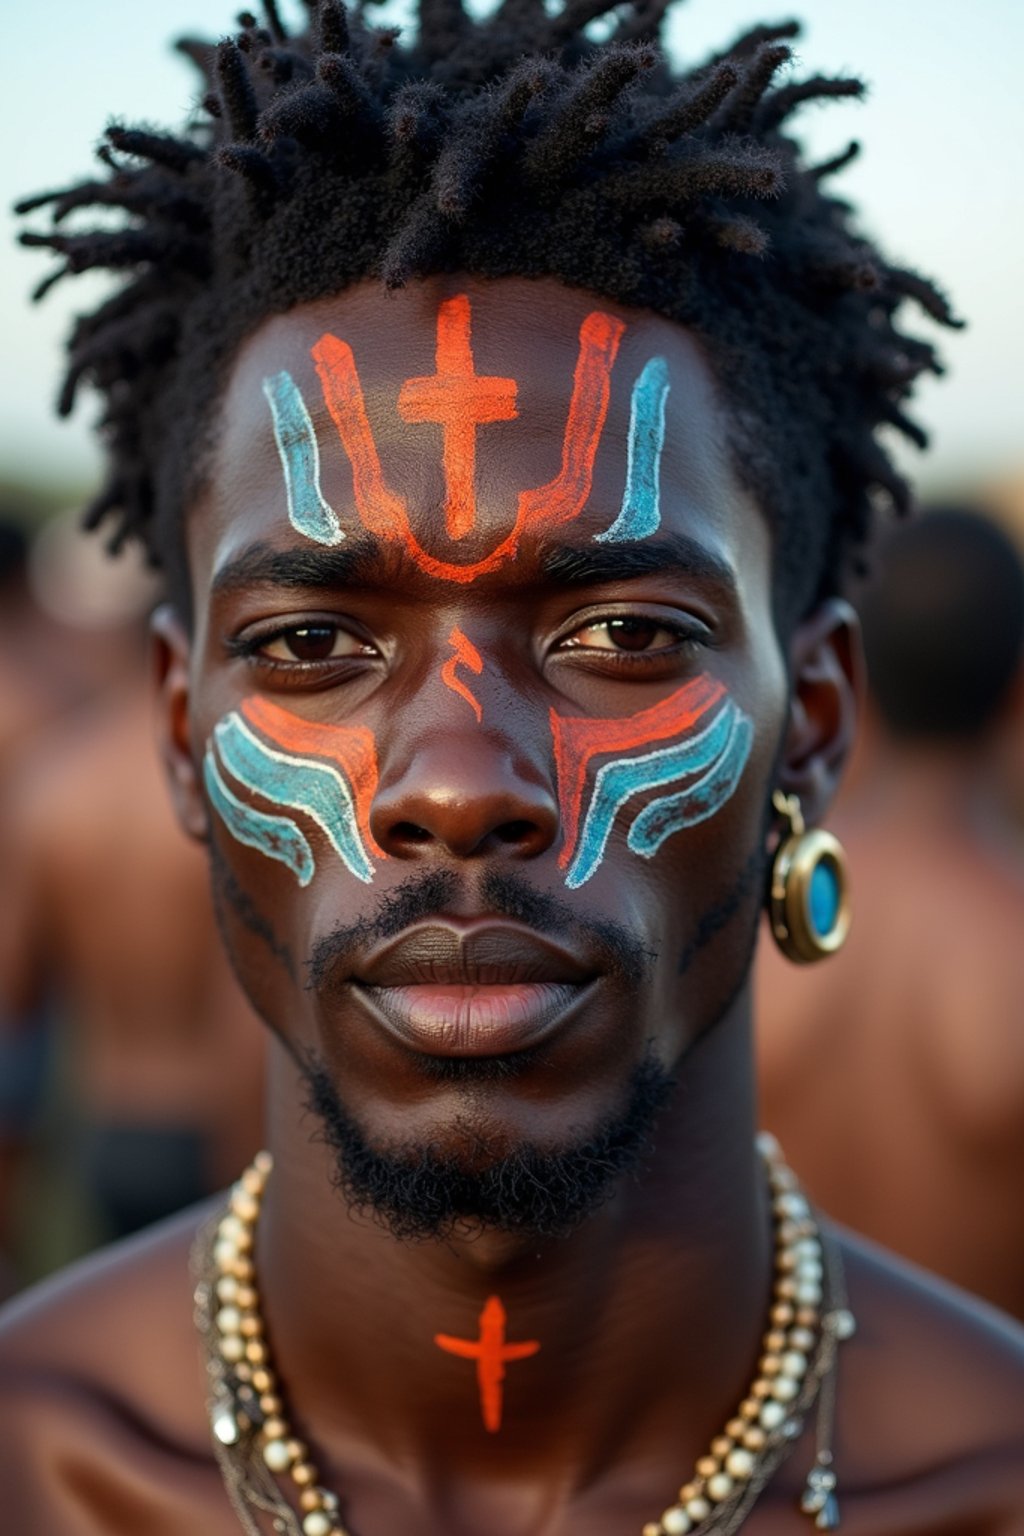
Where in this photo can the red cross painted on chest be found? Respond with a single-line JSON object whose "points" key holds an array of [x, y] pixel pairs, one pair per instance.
{"points": [[459, 400]]}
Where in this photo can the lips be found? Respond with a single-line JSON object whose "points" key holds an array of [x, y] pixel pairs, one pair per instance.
{"points": [[483, 988]]}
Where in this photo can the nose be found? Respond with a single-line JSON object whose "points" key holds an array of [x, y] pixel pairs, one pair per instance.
{"points": [[464, 797]]}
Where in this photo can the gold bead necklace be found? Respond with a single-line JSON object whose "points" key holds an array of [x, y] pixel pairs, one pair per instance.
{"points": [[807, 1320]]}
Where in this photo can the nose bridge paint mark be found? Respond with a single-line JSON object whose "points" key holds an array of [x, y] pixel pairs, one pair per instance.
{"points": [[465, 654]]}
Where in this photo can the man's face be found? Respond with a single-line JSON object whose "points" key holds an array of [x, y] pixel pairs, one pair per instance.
{"points": [[487, 697]]}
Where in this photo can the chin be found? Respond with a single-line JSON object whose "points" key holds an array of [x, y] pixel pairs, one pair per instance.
{"points": [[489, 1164]]}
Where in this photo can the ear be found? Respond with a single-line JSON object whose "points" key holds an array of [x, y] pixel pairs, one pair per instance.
{"points": [[828, 677], [171, 651]]}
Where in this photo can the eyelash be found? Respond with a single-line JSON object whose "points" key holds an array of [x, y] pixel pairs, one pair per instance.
{"points": [[687, 640], [249, 648]]}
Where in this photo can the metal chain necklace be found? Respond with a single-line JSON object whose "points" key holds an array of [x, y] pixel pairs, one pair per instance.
{"points": [[808, 1319]]}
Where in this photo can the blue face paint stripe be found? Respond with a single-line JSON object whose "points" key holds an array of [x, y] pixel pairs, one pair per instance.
{"points": [[617, 782], [275, 836], [316, 789], [308, 512], [674, 813], [640, 514]]}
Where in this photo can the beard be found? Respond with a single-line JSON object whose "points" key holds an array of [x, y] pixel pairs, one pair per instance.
{"points": [[416, 1192]]}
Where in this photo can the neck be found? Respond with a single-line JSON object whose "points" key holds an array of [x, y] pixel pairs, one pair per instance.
{"points": [[648, 1317]]}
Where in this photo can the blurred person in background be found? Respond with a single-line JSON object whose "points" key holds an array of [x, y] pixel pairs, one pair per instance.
{"points": [[921, 1017], [32, 686], [36, 686], [1004, 500], [159, 1056], [21, 1057]]}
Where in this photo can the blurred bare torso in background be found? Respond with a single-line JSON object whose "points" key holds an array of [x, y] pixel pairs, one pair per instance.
{"points": [[894, 1072], [109, 904], [108, 947]]}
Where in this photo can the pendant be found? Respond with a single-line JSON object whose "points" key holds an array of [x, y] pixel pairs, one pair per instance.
{"points": [[819, 1498], [827, 1518]]}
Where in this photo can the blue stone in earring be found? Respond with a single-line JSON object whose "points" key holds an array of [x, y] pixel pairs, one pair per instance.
{"points": [[808, 902], [823, 898]]}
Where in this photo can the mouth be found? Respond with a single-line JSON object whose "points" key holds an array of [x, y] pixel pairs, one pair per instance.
{"points": [[472, 989]]}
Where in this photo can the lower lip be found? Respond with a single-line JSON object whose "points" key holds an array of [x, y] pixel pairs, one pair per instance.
{"points": [[474, 1020]]}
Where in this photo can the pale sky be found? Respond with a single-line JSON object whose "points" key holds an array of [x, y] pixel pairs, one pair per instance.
{"points": [[939, 180]]}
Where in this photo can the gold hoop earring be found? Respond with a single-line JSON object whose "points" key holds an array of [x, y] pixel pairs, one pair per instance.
{"points": [[809, 896]]}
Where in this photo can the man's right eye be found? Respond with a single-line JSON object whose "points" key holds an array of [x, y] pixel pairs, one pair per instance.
{"points": [[307, 643]]}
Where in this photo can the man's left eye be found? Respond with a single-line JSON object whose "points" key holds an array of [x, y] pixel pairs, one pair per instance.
{"points": [[624, 634], [314, 642]]}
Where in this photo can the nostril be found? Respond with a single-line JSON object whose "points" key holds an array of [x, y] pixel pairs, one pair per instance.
{"points": [[409, 832], [514, 831]]}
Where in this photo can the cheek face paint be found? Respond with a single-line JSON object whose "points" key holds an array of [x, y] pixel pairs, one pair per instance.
{"points": [[640, 515], [308, 512], [492, 1354], [673, 813], [461, 400], [275, 836], [328, 773], [466, 655], [709, 737]]}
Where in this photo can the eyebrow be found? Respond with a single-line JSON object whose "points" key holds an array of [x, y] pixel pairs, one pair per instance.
{"points": [[359, 562], [573, 565], [263, 565]]}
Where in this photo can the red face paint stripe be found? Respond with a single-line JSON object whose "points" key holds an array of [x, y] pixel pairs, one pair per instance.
{"points": [[380, 509], [578, 740], [466, 655], [460, 400], [384, 513], [564, 498], [350, 747]]}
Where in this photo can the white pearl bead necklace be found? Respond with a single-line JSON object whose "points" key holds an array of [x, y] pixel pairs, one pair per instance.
{"points": [[243, 1348], [793, 1333]]}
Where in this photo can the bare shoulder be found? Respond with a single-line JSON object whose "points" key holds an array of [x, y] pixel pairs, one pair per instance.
{"points": [[931, 1403], [102, 1403]]}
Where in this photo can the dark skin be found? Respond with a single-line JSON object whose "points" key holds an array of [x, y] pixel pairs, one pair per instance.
{"points": [[650, 1315]]}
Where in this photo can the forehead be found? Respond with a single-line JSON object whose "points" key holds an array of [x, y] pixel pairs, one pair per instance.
{"points": [[470, 392]]}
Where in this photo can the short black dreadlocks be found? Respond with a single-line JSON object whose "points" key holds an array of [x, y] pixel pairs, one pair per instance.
{"points": [[511, 145]]}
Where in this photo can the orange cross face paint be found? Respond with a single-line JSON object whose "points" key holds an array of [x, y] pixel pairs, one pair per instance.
{"points": [[460, 401], [491, 1353]]}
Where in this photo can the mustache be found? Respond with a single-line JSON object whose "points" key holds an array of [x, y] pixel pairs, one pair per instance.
{"points": [[620, 952]]}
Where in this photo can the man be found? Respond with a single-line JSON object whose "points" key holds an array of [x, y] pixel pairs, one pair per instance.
{"points": [[921, 1013], [517, 484]]}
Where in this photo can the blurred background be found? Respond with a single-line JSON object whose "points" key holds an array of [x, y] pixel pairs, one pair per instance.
{"points": [[130, 1067]]}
